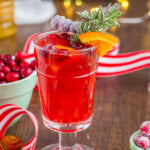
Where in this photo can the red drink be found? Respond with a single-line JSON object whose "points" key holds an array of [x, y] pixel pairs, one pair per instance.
{"points": [[66, 80]]}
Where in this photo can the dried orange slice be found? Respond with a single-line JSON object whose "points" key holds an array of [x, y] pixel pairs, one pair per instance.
{"points": [[102, 41], [10, 142]]}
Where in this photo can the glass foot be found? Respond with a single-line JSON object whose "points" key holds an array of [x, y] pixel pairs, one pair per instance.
{"points": [[76, 147]]}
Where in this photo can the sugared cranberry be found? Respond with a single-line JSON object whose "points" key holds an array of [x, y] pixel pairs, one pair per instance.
{"points": [[16, 68], [25, 71], [63, 35], [2, 75], [32, 64], [145, 128], [7, 58], [142, 142], [12, 76], [6, 69], [2, 64], [53, 36], [23, 63], [19, 56], [11, 63], [61, 54], [3, 82], [136, 137]]}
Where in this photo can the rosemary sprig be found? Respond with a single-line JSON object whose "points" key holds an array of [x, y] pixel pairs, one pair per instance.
{"points": [[99, 20]]}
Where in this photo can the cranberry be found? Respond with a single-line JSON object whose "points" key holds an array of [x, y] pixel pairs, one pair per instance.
{"points": [[2, 64], [53, 36], [49, 46], [145, 128], [16, 68], [32, 64], [142, 142], [6, 69], [23, 63], [79, 46], [2, 75], [7, 58], [61, 54], [12, 63], [136, 137], [2, 82], [1, 57], [19, 56], [12, 76], [88, 46], [44, 53], [63, 35], [26, 71]]}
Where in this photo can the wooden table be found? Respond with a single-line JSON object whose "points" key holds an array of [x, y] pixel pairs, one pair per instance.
{"points": [[121, 102]]}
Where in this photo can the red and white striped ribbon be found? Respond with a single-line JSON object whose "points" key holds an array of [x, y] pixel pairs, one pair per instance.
{"points": [[113, 63], [8, 113]]}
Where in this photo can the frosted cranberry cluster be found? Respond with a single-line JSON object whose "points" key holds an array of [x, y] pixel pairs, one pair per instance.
{"points": [[142, 139], [14, 68]]}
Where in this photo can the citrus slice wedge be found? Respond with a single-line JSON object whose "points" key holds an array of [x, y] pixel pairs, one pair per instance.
{"points": [[102, 41], [71, 50]]}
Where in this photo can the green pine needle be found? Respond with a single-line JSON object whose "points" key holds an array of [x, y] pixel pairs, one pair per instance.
{"points": [[99, 20]]}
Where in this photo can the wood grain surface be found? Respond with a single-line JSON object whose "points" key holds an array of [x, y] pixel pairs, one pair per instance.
{"points": [[121, 102]]}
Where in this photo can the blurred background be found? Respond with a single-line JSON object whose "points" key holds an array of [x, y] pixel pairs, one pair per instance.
{"points": [[21, 18]]}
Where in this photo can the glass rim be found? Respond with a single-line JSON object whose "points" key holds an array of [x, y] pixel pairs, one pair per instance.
{"points": [[55, 31]]}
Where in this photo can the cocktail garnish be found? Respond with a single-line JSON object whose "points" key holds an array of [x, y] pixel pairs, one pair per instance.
{"points": [[91, 27], [102, 41]]}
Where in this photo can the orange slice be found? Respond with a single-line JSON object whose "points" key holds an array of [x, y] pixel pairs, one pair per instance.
{"points": [[102, 41], [71, 50]]}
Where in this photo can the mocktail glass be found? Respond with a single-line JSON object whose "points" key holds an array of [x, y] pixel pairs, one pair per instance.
{"points": [[66, 81]]}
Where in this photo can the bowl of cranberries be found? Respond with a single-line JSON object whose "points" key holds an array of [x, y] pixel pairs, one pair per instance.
{"points": [[17, 79], [140, 140]]}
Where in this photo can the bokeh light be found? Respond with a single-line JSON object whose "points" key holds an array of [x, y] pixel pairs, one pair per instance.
{"points": [[78, 2], [67, 3]]}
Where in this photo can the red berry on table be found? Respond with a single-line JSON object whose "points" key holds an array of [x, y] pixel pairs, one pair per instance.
{"points": [[142, 142], [1, 57], [23, 63], [145, 128], [12, 76], [11, 63], [7, 58], [6, 69], [26, 71], [16, 68], [19, 56], [2, 82], [2, 64], [2, 75]]}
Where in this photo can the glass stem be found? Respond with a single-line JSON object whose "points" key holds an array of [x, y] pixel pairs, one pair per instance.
{"points": [[67, 140]]}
